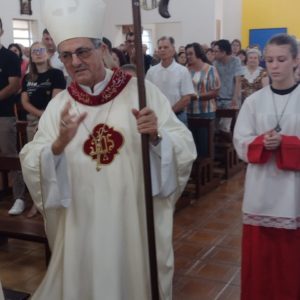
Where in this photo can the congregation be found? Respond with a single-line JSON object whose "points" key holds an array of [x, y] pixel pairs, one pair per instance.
{"points": [[197, 79]]}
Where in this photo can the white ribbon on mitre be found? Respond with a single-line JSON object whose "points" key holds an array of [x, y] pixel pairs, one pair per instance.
{"points": [[67, 19]]}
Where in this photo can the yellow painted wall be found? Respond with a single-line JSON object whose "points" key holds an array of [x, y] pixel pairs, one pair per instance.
{"points": [[258, 14]]}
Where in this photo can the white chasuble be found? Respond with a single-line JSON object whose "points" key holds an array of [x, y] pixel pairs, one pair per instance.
{"points": [[1, 292], [98, 233]]}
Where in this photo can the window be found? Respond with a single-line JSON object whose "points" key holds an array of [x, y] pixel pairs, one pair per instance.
{"points": [[23, 32], [147, 39]]}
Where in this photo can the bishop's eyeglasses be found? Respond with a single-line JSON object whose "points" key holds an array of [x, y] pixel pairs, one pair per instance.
{"points": [[81, 53]]}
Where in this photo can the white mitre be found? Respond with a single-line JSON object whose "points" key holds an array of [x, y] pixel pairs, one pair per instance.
{"points": [[67, 19]]}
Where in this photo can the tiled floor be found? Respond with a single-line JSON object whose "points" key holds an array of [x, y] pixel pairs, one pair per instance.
{"points": [[206, 244]]}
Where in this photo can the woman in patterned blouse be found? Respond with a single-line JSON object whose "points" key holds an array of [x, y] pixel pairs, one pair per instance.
{"points": [[206, 83], [255, 77]]}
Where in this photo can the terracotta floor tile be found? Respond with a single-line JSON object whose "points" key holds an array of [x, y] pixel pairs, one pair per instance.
{"points": [[209, 205], [205, 237], [199, 289], [214, 271], [189, 249], [237, 279], [178, 231], [217, 226], [183, 264], [232, 241], [235, 206], [190, 217], [230, 293], [178, 282], [225, 255], [227, 216], [185, 221]]}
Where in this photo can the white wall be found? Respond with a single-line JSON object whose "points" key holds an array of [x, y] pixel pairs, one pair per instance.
{"points": [[9, 10], [232, 19], [219, 9], [173, 29], [191, 20]]}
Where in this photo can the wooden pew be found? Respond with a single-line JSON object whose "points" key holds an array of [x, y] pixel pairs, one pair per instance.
{"points": [[202, 175], [22, 228], [19, 227], [11, 162], [21, 133], [225, 151]]}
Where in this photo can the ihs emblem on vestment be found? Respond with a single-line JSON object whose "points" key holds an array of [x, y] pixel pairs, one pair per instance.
{"points": [[103, 145]]}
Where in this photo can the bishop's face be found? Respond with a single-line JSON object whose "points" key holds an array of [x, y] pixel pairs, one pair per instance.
{"points": [[82, 60]]}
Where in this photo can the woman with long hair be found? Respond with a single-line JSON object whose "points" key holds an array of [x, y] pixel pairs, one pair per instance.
{"points": [[242, 55], [23, 61], [181, 58], [39, 86], [236, 46]]}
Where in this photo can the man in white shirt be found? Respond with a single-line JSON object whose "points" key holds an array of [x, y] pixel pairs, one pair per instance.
{"points": [[172, 78]]}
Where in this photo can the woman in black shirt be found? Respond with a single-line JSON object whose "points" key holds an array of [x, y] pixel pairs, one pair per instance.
{"points": [[39, 86]]}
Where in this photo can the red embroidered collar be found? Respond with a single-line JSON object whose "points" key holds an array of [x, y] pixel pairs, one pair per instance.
{"points": [[116, 84]]}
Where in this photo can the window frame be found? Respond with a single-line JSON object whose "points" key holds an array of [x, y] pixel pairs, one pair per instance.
{"points": [[28, 28]]}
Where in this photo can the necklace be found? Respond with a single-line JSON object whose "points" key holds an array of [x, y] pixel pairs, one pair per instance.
{"points": [[96, 148], [278, 128]]}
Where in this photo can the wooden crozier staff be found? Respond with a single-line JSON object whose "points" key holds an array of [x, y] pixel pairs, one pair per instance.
{"points": [[163, 10]]}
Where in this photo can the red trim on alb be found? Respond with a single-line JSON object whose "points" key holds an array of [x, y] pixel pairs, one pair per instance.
{"points": [[288, 155], [257, 154], [116, 84]]}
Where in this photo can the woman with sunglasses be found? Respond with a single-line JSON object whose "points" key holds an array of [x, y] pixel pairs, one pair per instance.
{"points": [[39, 86]]}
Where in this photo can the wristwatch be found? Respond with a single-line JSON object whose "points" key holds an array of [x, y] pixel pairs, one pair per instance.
{"points": [[157, 140]]}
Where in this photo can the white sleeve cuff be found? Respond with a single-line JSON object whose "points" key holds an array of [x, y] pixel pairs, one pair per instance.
{"points": [[55, 180], [163, 167]]}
